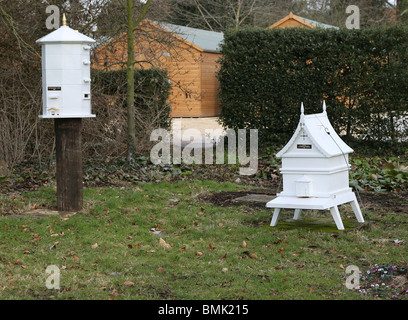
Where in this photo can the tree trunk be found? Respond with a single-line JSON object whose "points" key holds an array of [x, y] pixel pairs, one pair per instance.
{"points": [[130, 94]]}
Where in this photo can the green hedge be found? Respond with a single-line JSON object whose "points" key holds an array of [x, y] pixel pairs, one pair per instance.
{"points": [[152, 90], [362, 75]]}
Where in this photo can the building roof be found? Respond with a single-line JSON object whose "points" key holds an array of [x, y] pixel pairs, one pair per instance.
{"points": [[303, 21], [319, 24], [321, 134], [65, 34], [209, 41]]}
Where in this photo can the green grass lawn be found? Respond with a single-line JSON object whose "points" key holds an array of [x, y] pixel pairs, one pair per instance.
{"points": [[198, 250]]}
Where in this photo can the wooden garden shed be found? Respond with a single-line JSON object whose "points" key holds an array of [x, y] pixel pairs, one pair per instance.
{"points": [[292, 21], [189, 55]]}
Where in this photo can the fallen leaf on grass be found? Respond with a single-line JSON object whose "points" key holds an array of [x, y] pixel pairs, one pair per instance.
{"points": [[253, 256], [160, 270], [222, 258], [94, 246], [14, 263], [57, 234], [198, 253], [164, 244], [244, 244], [129, 283]]}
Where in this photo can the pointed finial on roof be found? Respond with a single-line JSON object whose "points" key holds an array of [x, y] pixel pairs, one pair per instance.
{"points": [[64, 20], [302, 115], [324, 105]]}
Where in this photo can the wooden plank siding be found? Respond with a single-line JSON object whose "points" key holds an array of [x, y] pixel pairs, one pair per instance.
{"points": [[185, 76], [210, 105], [192, 71]]}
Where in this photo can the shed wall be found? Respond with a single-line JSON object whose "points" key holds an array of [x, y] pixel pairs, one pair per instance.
{"points": [[210, 104], [192, 72]]}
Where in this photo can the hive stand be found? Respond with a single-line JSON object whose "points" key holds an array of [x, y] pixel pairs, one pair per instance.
{"points": [[331, 204]]}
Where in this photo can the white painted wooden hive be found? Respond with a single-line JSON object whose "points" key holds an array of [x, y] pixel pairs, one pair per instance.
{"points": [[315, 160], [66, 74], [315, 169]]}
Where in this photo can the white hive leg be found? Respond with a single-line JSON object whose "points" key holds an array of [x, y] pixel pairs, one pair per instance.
{"points": [[357, 211], [275, 217], [297, 214], [336, 216]]}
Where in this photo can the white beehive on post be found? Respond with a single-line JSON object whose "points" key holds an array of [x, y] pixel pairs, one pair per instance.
{"points": [[66, 74], [315, 170]]}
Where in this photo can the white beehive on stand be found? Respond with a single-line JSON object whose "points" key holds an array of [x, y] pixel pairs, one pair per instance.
{"points": [[66, 74], [315, 170]]}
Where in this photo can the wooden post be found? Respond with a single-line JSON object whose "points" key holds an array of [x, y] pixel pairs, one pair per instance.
{"points": [[69, 164]]}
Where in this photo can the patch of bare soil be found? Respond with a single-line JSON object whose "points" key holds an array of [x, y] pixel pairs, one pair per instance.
{"points": [[227, 199], [385, 201], [373, 201]]}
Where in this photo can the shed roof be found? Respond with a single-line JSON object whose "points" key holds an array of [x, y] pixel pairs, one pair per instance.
{"points": [[319, 24], [303, 21], [209, 41], [321, 133]]}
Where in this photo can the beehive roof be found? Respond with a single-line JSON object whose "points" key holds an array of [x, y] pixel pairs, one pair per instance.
{"points": [[65, 34], [322, 135]]}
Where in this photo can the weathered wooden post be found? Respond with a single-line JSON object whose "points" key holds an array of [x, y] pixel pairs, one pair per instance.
{"points": [[69, 164], [66, 78]]}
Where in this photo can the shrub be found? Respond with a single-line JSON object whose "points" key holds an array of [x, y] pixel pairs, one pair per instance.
{"points": [[108, 135], [362, 75]]}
